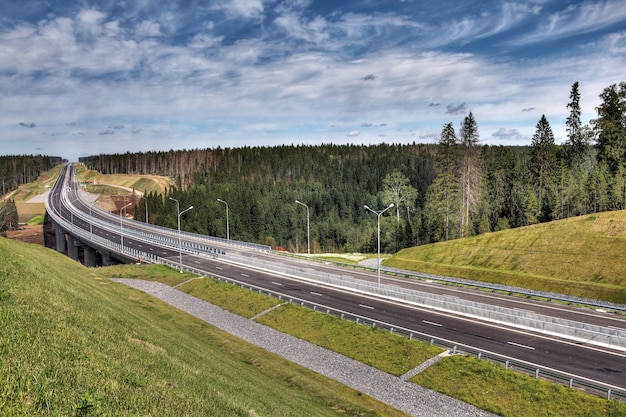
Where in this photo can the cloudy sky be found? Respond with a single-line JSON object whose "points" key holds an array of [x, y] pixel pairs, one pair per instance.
{"points": [[109, 76]]}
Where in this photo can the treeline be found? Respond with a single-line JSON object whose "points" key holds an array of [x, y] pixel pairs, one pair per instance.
{"points": [[16, 170], [451, 189]]}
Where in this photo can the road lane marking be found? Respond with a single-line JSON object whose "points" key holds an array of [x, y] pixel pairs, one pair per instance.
{"points": [[218, 267], [366, 306], [245, 275], [520, 345], [432, 323], [316, 293], [276, 283]]}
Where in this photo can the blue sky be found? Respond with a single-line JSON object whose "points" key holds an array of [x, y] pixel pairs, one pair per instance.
{"points": [[89, 77]]}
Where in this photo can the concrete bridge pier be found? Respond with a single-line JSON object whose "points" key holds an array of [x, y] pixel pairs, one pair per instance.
{"points": [[90, 257], [106, 258], [72, 247], [61, 243]]}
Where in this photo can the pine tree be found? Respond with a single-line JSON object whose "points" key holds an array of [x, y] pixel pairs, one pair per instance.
{"points": [[577, 141], [611, 126], [470, 175], [543, 160]]}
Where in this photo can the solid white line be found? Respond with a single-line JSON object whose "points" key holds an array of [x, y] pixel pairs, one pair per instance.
{"points": [[432, 323], [522, 346], [363, 305], [316, 293]]}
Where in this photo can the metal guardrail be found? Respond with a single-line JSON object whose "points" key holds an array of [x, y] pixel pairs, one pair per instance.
{"points": [[465, 283], [582, 332], [562, 378]]}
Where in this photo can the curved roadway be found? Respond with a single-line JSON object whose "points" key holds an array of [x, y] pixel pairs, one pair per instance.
{"points": [[579, 360]]}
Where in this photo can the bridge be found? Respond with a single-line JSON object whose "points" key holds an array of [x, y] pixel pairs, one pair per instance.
{"points": [[100, 238], [567, 343]]}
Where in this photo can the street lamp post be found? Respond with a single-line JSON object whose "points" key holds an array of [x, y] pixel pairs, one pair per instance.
{"points": [[227, 225], [180, 242], [121, 229], [308, 230], [378, 214]]}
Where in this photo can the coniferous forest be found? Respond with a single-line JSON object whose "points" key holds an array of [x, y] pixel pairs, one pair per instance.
{"points": [[15, 171], [446, 190]]}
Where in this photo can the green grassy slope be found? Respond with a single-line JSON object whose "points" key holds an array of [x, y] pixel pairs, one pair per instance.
{"points": [[74, 343], [584, 256]]}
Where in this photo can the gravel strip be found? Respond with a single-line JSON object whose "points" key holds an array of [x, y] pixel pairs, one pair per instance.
{"points": [[404, 396]]}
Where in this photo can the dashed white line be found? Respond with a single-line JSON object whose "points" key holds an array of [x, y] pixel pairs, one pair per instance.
{"points": [[520, 345], [218, 267], [316, 293], [366, 306], [432, 323], [276, 283], [244, 275]]}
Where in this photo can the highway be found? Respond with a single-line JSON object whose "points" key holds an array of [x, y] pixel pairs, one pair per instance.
{"points": [[577, 359]]}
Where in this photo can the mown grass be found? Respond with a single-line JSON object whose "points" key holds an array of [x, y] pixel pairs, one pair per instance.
{"points": [[35, 220], [375, 347], [511, 394], [26, 210], [346, 258], [141, 183], [582, 256], [74, 343], [476, 382]]}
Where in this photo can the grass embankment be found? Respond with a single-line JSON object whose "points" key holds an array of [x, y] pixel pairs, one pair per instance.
{"points": [[74, 343], [480, 383], [509, 394], [582, 256], [28, 210], [110, 184]]}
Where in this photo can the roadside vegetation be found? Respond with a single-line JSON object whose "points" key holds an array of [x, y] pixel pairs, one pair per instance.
{"points": [[477, 382], [581, 256], [73, 343], [511, 394], [98, 183]]}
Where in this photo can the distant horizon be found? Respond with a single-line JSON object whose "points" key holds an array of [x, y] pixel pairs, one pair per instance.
{"points": [[85, 78]]}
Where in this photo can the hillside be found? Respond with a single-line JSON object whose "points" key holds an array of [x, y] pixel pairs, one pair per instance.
{"points": [[73, 343], [582, 256]]}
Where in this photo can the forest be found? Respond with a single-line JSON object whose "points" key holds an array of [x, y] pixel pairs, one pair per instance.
{"points": [[454, 188], [16, 170]]}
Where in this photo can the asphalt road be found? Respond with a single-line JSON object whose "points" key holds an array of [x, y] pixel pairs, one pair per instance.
{"points": [[577, 359]]}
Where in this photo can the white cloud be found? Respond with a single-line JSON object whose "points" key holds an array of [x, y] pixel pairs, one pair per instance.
{"points": [[89, 22], [250, 9], [577, 19], [353, 134], [506, 134], [148, 29]]}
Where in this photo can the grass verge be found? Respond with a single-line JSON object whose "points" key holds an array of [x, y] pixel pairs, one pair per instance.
{"points": [[511, 394], [73, 343], [581, 256], [480, 383]]}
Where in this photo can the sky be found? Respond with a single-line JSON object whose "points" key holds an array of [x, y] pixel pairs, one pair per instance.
{"points": [[80, 78]]}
